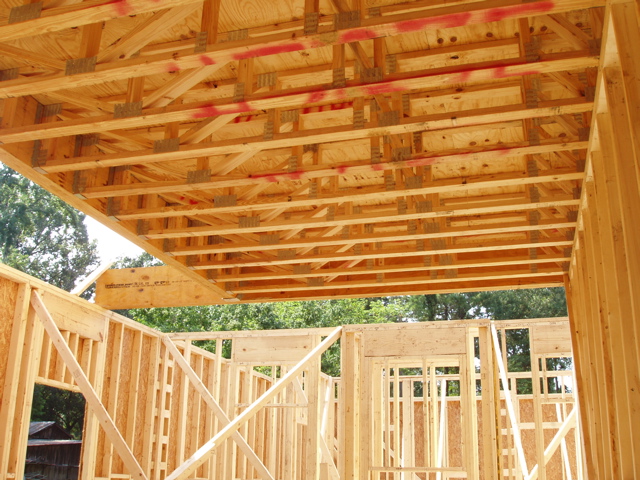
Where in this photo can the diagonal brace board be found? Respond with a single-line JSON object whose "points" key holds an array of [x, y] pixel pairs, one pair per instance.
{"points": [[213, 404], [517, 440], [93, 400], [198, 458], [568, 423]]}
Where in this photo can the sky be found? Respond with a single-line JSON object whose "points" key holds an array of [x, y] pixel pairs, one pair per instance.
{"points": [[110, 244]]}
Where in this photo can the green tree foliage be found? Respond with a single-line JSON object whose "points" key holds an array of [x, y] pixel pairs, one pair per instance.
{"points": [[530, 303], [44, 237], [61, 406], [41, 235], [266, 316]]}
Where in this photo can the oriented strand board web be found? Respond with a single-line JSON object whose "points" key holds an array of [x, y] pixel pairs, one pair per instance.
{"points": [[298, 150]]}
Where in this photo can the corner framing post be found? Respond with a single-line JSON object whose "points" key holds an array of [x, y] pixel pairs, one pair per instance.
{"points": [[23, 361], [491, 461], [349, 406]]}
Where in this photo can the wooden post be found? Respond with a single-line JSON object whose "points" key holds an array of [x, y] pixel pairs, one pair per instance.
{"points": [[491, 460]]}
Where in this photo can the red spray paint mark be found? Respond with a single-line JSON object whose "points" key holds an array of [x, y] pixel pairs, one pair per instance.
{"points": [[206, 111], [501, 72], [206, 60], [268, 177], [382, 88], [409, 26], [121, 7], [324, 108], [444, 21], [464, 76], [272, 178], [357, 35], [193, 202], [416, 163], [341, 169], [377, 167], [421, 162], [264, 51], [172, 67], [500, 13], [455, 19], [316, 96], [243, 119]]}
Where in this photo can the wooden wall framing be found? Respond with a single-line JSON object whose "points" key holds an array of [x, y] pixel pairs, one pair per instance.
{"points": [[603, 284], [415, 401]]}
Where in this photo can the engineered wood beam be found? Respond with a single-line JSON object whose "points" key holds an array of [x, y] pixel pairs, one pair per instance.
{"points": [[154, 287], [380, 215], [381, 194], [421, 80], [71, 16], [307, 241], [505, 260], [18, 165], [558, 241], [416, 289], [403, 281], [374, 27], [309, 172], [483, 116]]}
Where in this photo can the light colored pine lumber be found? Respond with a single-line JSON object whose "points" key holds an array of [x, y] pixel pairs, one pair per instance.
{"points": [[12, 376], [200, 456], [215, 407], [90, 394], [522, 463], [374, 27]]}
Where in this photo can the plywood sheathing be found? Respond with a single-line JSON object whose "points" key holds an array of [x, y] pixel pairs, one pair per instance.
{"points": [[293, 151]]}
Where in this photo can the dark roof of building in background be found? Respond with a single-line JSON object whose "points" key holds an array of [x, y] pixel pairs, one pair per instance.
{"points": [[37, 427]]}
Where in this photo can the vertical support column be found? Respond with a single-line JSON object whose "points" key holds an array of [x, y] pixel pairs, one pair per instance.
{"points": [[152, 350], [491, 460], [349, 403], [180, 432], [365, 414], [312, 389], [24, 396], [470, 407], [537, 409], [17, 393], [579, 355], [91, 423]]}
